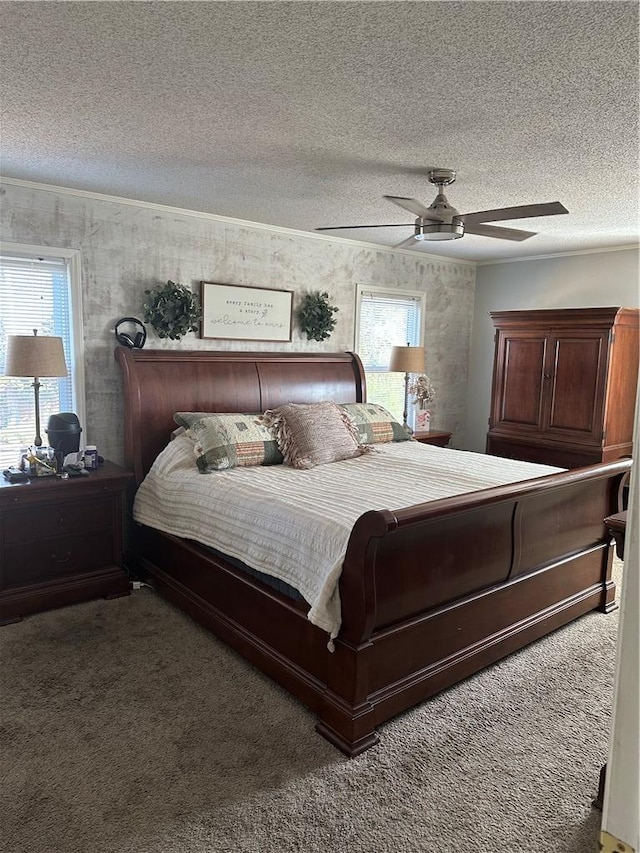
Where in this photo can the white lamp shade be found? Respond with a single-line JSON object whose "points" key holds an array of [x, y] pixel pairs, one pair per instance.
{"points": [[407, 360], [32, 355]]}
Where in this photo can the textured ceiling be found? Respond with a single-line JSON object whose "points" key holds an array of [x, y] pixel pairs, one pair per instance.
{"points": [[305, 114]]}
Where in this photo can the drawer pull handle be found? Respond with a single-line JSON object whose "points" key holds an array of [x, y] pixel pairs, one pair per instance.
{"points": [[61, 559]]}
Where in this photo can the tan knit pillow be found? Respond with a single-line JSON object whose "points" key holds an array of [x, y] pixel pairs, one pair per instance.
{"points": [[313, 434]]}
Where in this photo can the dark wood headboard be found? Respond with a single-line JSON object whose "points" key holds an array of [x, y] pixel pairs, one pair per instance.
{"points": [[158, 383]]}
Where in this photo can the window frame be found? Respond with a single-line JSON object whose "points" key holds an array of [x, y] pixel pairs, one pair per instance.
{"points": [[72, 259], [389, 292]]}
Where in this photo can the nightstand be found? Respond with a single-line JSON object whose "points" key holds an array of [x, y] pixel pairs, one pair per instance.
{"points": [[440, 439], [61, 541]]}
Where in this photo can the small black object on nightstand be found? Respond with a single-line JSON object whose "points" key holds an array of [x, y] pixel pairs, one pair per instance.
{"points": [[75, 470], [16, 475]]}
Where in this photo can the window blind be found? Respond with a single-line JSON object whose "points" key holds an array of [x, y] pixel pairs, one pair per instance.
{"points": [[386, 321], [35, 293]]}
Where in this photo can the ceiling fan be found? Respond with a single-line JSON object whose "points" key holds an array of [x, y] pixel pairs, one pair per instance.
{"points": [[441, 221]]}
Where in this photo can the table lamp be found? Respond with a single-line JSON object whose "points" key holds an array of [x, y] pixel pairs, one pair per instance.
{"points": [[30, 355], [406, 360]]}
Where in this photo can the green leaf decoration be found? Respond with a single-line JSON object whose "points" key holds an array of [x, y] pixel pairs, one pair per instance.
{"points": [[315, 316], [173, 310]]}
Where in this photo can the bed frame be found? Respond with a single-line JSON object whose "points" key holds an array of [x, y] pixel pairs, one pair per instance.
{"points": [[430, 593]]}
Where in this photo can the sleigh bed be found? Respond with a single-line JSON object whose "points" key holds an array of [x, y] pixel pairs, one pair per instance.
{"points": [[430, 593]]}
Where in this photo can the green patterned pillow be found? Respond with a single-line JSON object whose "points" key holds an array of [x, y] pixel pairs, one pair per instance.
{"points": [[375, 424], [224, 440]]}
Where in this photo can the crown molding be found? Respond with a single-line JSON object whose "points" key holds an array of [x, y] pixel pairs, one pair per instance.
{"points": [[597, 251], [227, 220]]}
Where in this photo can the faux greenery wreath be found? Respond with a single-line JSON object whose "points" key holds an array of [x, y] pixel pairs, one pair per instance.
{"points": [[316, 316], [172, 310]]}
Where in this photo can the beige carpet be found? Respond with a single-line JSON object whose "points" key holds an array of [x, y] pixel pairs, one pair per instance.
{"points": [[120, 733]]}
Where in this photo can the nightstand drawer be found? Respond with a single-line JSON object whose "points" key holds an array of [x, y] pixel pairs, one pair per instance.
{"points": [[89, 516], [46, 559]]}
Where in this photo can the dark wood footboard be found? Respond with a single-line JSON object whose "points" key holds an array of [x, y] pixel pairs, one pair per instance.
{"points": [[438, 591]]}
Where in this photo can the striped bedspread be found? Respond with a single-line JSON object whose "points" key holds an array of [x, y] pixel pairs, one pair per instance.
{"points": [[295, 525]]}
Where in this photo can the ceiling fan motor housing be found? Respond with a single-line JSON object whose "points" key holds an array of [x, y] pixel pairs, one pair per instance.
{"points": [[447, 225], [439, 230]]}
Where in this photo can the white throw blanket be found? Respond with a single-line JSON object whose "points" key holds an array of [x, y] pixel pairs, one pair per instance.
{"points": [[295, 525]]}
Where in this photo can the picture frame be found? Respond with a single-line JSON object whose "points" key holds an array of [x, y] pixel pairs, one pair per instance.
{"points": [[234, 312]]}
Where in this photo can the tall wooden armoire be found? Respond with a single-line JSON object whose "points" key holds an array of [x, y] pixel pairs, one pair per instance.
{"points": [[564, 385]]}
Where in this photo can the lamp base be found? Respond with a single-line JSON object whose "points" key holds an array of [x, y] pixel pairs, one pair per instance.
{"points": [[36, 393]]}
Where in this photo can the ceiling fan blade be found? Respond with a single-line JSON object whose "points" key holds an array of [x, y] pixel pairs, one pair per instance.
{"points": [[349, 227], [494, 231], [414, 206], [409, 243], [523, 211]]}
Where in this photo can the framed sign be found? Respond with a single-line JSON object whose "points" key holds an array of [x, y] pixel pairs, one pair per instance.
{"points": [[236, 313]]}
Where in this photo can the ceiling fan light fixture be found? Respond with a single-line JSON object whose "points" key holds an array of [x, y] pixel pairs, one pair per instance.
{"points": [[440, 231]]}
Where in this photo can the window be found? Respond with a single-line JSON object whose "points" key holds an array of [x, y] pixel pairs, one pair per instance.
{"points": [[384, 319], [39, 289]]}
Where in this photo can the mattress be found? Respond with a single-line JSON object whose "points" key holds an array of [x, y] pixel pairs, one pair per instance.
{"points": [[294, 525]]}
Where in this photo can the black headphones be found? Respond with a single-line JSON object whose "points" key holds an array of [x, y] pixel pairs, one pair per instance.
{"points": [[126, 340]]}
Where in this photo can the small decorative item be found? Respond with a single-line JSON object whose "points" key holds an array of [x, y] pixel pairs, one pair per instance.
{"points": [[172, 310], [423, 393], [40, 462], [423, 420], [316, 316]]}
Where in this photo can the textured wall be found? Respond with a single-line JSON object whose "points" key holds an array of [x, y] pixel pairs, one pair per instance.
{"points": [[591, 280], [126, 248]]}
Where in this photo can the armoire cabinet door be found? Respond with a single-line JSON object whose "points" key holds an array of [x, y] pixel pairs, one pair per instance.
{"points": [[564, 385], [519, 379], [575, 381]]}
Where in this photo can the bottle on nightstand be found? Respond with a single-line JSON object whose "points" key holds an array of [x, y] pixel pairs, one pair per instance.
{"points": [[91, 457]]}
